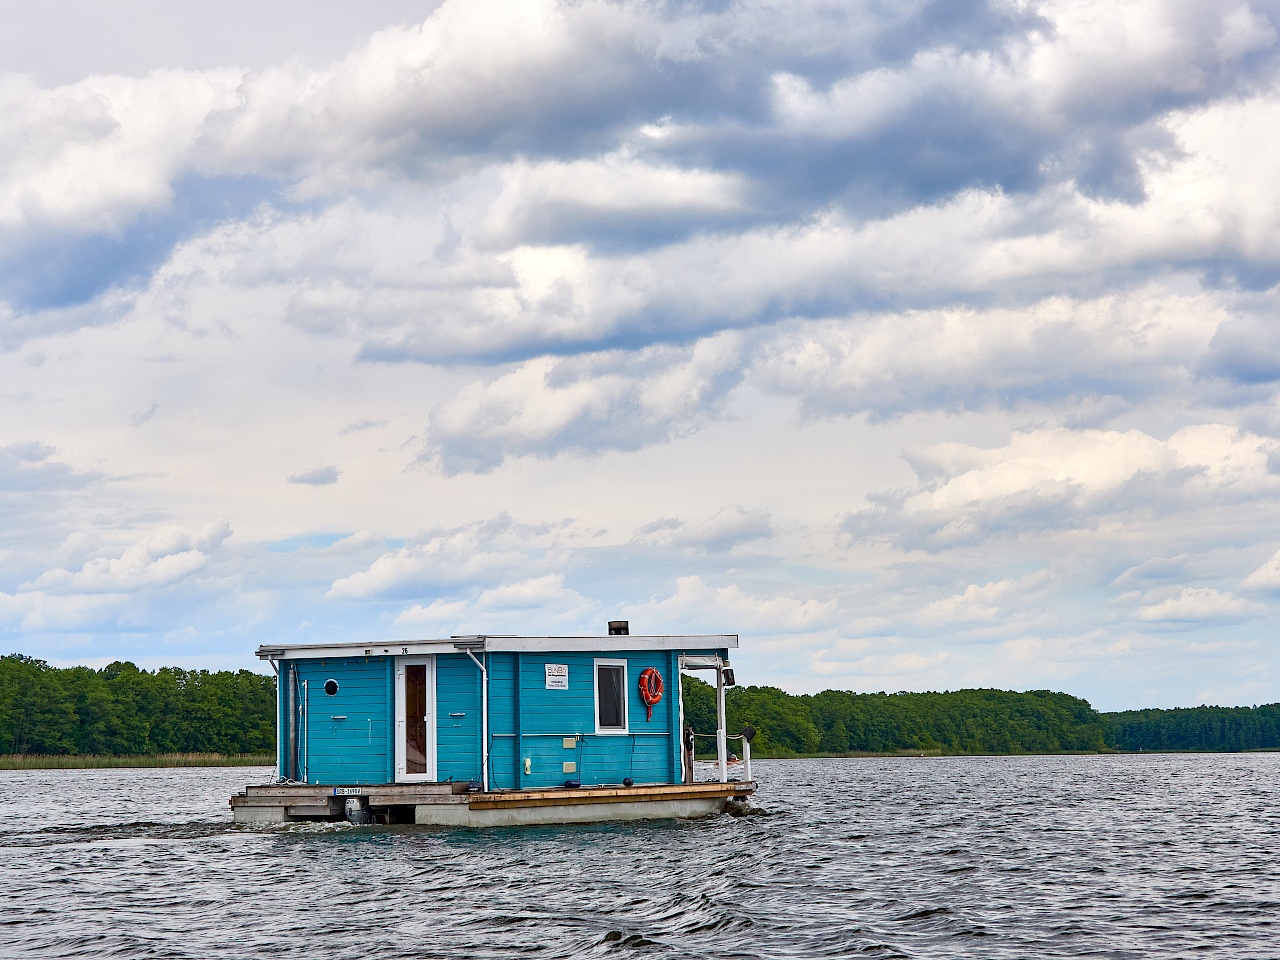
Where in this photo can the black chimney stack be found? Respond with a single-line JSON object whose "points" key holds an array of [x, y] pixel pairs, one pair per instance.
{"points": [[619, 628]]}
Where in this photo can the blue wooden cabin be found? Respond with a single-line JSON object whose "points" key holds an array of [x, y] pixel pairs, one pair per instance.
{"points": [[511, 713]]}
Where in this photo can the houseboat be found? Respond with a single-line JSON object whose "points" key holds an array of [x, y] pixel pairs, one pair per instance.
{"points": [[494, 731]]}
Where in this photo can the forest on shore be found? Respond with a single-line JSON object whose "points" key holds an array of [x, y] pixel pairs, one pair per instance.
{"points": [[972, 722], [123, 710]]}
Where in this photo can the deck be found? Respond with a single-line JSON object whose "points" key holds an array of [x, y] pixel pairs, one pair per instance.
{"points": [[451, 804]]}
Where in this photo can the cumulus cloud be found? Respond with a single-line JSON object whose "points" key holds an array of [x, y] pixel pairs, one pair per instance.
{"points": [[169, 554], [29, 466], [440, 615], [1157, 568], [142, 416], [726, 529], [695, 603], [594, 402], [90, 156], [316, 477], [42, 488], [356, 426], [1121, 345], [1062, 478], [615, 200], [412, 285], [545, 600], [608, 125], [984, 603], [1199, 604], [487, 552], [412, 96], [40, 612], [110, 592], [1266, 577]]}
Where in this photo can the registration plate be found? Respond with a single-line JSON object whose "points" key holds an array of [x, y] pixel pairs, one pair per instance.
{"points": [[348, 791]]}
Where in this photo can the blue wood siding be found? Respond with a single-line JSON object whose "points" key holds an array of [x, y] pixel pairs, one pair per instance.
{"points": [[648, 753], [457, 718], [526, 720], [504, 719], [357, 749]]}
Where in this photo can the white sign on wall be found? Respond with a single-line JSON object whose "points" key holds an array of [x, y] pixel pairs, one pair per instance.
{"points": [[557, 676]]}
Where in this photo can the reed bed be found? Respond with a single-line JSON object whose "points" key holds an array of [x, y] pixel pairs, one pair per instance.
{"points": [[32, 761]]}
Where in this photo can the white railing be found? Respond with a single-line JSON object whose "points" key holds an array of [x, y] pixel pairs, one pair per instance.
{"points": [[722, 762]]}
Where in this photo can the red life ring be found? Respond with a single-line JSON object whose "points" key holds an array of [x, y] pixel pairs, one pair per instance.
{"points": [[650, 688]]}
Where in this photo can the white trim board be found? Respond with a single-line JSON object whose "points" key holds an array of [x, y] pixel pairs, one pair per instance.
{"points": [[407, 648]]}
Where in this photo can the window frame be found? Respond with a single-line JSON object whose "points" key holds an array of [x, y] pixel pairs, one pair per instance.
{"points": [[625, 729]]}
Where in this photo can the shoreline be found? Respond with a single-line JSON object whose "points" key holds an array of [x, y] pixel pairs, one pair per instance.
{"points": [[919, 754], [32, 761], [107, 761]]}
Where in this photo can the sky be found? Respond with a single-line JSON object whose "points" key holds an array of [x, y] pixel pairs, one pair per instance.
{"points": [[924, 345]]}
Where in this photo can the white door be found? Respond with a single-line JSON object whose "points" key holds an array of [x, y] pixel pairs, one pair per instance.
{"points": [[415, 719]]}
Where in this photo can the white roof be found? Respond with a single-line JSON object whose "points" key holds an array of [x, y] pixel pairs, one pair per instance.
{"points": [[498, 644]]}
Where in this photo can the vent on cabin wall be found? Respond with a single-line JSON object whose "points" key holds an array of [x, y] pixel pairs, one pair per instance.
{"points": [[619, 628]]}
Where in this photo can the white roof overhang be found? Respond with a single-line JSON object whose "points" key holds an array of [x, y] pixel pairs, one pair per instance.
{"points": [[498, 644]]}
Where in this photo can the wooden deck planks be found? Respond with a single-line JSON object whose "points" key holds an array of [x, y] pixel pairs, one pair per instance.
{"points": [[563, 797], [311, 799]]}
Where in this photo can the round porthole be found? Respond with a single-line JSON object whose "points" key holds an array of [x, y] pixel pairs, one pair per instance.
{"points": [[331, 687]]}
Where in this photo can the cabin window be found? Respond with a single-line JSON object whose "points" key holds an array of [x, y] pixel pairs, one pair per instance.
{"points": [[611, 696]]}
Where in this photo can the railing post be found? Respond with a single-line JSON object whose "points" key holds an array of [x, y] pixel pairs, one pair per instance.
{"points": [[722, 746], [746, 758]]}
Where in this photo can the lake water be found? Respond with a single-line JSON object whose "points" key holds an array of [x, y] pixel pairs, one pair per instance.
{"points": [[1142, 857]]}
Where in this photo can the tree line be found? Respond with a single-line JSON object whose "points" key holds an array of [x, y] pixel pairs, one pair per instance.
{"points": [[1196, 728], [969, 722], [121, 709]]}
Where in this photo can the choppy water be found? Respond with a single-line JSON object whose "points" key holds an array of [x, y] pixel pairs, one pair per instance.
{"points": [[1151, 857]]}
